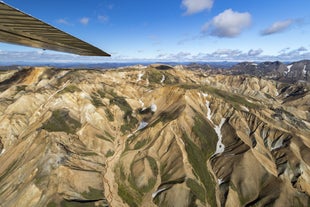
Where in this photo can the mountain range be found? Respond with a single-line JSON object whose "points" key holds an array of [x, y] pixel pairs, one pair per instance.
{"points": [[156, 135]]}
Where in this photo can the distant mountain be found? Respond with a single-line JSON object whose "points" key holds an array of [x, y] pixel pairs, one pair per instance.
{"points": [[155, 136], [296, 71], [285, 72]]}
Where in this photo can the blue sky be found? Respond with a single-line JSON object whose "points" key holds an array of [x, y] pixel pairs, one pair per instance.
{"points": [[174, 30]]}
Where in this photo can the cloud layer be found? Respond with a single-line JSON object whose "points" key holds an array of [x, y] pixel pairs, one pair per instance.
{"points": [[196, 6], [238, 55], [39, 56], [228, 24], [278, 27]]}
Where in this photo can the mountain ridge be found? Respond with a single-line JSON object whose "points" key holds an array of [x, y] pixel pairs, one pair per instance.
{"points": [[140, 136]]}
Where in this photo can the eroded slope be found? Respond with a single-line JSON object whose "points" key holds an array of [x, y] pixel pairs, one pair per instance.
{"points": [[155, 136]]}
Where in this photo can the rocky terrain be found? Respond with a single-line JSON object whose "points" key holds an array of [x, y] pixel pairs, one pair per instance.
{"points": [[292, 72], [153, 136]]}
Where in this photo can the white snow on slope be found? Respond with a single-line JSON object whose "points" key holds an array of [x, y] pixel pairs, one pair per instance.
{"points": [[219, 146], [158, 191], [209, 115], [140, 75], [220, 181], [304, 71], [205, 94], [142, 125], [142, 104], [163, 79], [245, 108], [288, 69], [278, 144], [153, 107]]}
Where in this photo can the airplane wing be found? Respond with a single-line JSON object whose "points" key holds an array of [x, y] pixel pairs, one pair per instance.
{"points": [[19, 28]]}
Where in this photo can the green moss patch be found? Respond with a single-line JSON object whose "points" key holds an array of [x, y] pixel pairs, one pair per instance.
{"points": [[93, 194], [20, 88], [109, 114], [234, 99], [196, 189], [130, 122], [70, 89], [110, 153], [128, 196], [60, 121], [206, 134], [51, 204], [66, 203], [152, 180], [198, 160], [156, 76], [96, 101], [140, 144]]}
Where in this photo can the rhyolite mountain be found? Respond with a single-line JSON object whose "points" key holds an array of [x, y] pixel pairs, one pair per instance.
{"points": [[292, 72], [155, 136]]}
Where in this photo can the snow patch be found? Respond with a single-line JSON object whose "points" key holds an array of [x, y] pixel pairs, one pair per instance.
{"points": [[205, 94], [288, 69], [277, 93], [84, 95], [304, 70], [219, 146], [140, 75], [153, 107], [158, 191], [142, 125], [278, 144], [163, 79], [220, 181], [142, 104], [209, 115], [245, 108]]}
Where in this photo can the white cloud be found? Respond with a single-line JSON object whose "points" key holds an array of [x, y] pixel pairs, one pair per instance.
{"points": [[84, 20], [228, 24], [196, 6], [255, 52], [103, 18], [40, 56], [253, 55], [63, 21], [299, 53], [278, 27], [226, 53], [181, 56]]}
